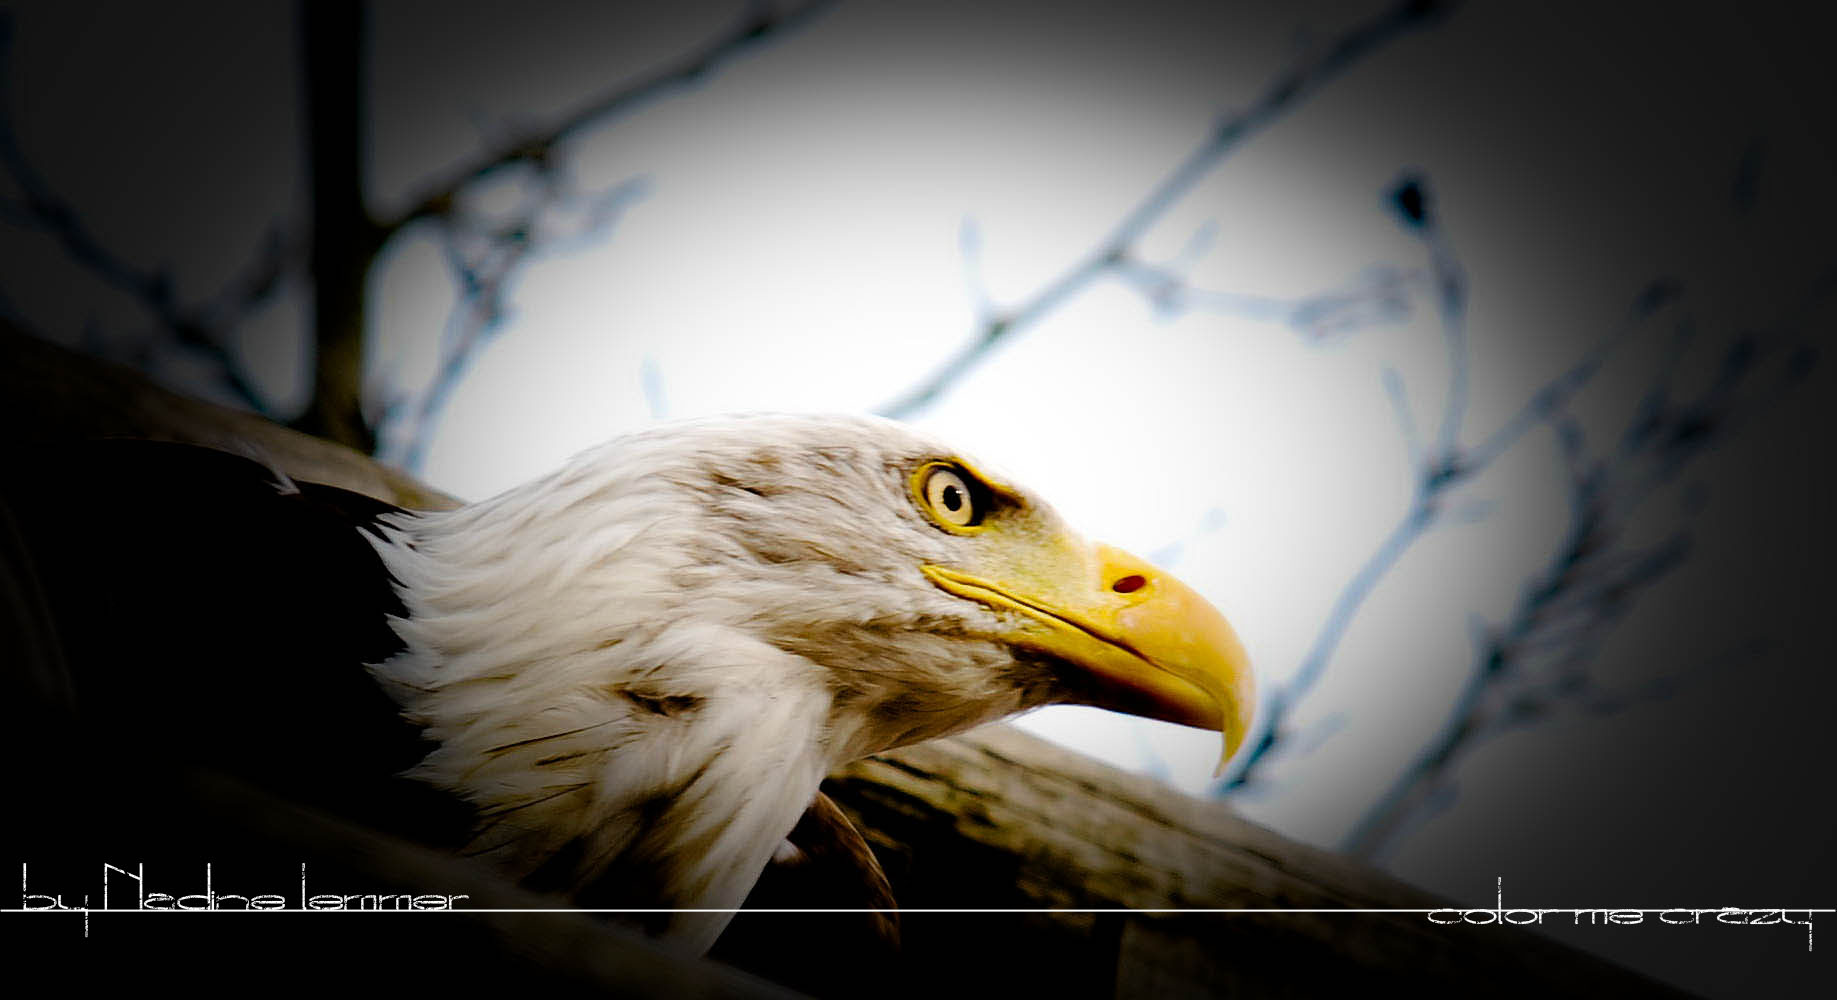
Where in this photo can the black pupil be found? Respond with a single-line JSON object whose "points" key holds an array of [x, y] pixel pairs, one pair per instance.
{"points": [[953, 498]]}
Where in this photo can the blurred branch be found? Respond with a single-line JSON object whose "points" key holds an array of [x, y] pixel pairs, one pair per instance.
{"points": [[345, 238], [537, 146], [486, 256], [1168, 556], [1380, 295], [204, 326], [486, 260], [1535, 664], [650, 374], [1438, 467], [1116, 250], [1547, 402]]}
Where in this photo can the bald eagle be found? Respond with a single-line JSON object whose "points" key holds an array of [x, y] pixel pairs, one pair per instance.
{"points": [[624, 680]]}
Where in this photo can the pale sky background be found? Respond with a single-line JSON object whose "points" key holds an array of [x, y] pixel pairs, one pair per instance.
{"points": [[799, 247]]}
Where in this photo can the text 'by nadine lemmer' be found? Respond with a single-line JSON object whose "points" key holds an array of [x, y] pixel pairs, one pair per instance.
{"points": [[130, 888]]}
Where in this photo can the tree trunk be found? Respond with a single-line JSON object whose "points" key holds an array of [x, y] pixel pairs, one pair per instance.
{"points": [[345, 240]]}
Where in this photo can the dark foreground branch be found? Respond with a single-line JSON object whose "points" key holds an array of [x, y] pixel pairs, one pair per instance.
{"points": [[48, 393], [999, 818]]}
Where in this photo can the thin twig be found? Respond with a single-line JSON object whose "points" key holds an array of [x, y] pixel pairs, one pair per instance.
{"points": [[1536, 663], [1437, 470], [1280, 97], [486, 258], [1380, 295], [1555, 394], [204, 326], [487, 276], [538, 145]]}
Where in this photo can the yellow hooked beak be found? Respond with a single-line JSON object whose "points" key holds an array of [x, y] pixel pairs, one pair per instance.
{"points": [[1146, 643]]}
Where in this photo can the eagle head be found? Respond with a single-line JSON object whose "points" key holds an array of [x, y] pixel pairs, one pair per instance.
{"points": [[639, 667]]}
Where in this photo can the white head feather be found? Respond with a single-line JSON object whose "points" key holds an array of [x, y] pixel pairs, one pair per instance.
{"points": [[639, 667]]}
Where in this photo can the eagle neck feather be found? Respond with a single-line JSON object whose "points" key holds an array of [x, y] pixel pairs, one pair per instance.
{"points": [[591, 721]]}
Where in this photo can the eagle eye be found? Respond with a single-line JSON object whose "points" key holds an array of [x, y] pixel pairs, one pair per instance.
{"points": [[953, 498]]}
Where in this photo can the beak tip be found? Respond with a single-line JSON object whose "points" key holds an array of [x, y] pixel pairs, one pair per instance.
{"points": [[1234, 731]]}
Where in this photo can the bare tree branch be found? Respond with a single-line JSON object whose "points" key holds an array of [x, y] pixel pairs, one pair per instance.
{"points": [[1280, 97], [204, 326], [1536, 663], [1438, 469], [537, 145], [1380, 295], [346, 238], [1548, 401], [486, 260], [487, 256]]}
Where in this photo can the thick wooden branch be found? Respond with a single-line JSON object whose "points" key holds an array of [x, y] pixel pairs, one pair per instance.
{"points": [[48, 393], [1112, 867], [997, 818]]}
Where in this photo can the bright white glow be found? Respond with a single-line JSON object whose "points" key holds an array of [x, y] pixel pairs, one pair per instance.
{"points": [[800, 248]]}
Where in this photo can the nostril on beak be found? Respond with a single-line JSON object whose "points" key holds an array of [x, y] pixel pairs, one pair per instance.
{"points": [[1130, 584]]}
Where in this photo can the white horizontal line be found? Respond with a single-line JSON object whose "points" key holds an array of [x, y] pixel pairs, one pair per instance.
{"points": [[936, 910]]}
